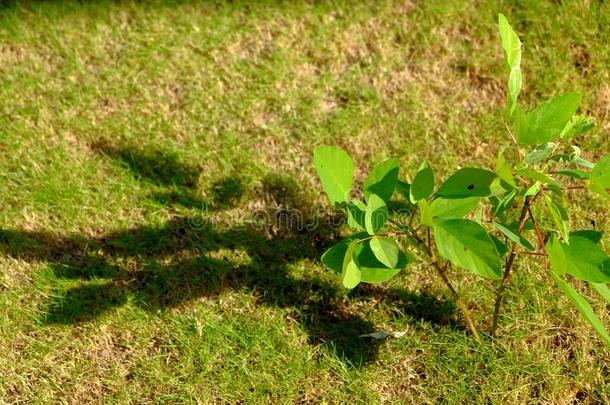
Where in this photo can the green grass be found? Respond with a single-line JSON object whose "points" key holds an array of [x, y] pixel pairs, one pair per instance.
{"points": [[142, 144]]}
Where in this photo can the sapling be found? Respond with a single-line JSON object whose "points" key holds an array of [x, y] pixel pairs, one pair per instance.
{"points": [[478, 219]]}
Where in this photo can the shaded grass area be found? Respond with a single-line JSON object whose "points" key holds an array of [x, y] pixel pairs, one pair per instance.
{"points": [[153, 159]]}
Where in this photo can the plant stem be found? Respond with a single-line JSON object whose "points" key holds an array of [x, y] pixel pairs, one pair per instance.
{"points": [[454, 294], [509, 264]]}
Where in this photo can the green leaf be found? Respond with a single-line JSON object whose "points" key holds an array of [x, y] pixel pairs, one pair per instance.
{"points": [[371, 269], [540, 153], [581, 258], [579, 124], [376, 214], [423, 184], [355, 214], [546, 122], [336, 171], [533, 189], [382, 180], [352, 275], [334, 256], [468, 182], [511, 45], [505, 203], [591, 234], [515, 81], [599, 181], [448, 208], [575, 173], [603, 290], [504, 169], [518, 239], [386, 251], [500, 246], [404, 189], [538, 176], [425, 213], [466, 244], [583, 307], [560, 217]]}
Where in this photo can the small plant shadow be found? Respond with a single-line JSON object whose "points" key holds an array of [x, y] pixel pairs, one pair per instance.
{"points": [[164, 266]]}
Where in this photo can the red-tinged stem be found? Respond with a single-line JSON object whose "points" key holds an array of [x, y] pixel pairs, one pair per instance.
{"points": [[509, 263]]}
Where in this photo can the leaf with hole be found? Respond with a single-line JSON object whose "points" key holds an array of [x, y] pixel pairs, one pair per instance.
{"points": [[466, 244], [468, 182], [336, 171]]}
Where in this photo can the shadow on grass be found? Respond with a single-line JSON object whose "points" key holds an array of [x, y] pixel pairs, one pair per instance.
{"points": [[164, 266]]}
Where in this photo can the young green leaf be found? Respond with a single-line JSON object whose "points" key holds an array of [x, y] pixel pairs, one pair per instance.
{"points": [[352, 275], [581, 258], [500, 246], [425, 213], [505, 203], [603, 290], [376, 214], [336, 171], [334, 256], [591, 234], [574, 173], [538, 176], [504, 169], [467, 182], [423, 184], [518, 239], [560, 217], [386, 251], [545, 122], [448, 208], [511, 45], [599, 180], [371, 269], [579, 124], [382, 180], [355, 214], [404, 189], [515, 81], [466, 244], [540, 153], [583, 307]]}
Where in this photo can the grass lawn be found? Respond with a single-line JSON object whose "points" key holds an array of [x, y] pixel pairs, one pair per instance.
{"points": [[144, 148]]}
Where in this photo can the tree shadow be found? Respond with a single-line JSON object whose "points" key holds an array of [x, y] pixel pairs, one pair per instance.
{"points": [[164, 266]]}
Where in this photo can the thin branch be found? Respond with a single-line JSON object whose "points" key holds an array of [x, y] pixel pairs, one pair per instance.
{"points": [[509, 264], [514, 141], [454, 294], [539, 236]]}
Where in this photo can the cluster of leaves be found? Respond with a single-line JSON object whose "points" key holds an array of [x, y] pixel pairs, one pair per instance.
{"points": [[499, 205]]}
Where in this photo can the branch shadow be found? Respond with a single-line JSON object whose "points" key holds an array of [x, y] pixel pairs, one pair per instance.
{"points": [[165, 266]]}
